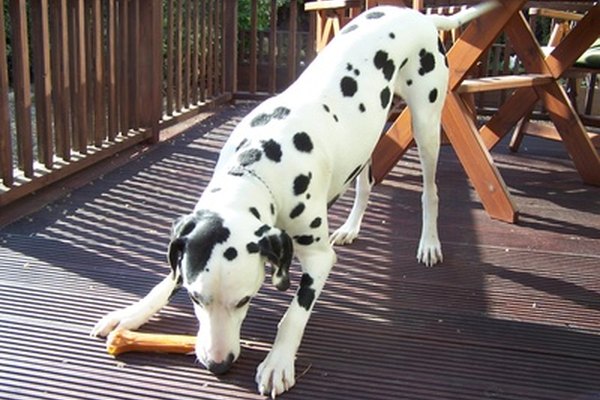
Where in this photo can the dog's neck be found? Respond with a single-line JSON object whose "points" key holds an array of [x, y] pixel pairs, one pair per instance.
{"points": [[241, 189]]}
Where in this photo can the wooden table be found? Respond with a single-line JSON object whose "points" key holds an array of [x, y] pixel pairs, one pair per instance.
{"points": [[540, 83]]}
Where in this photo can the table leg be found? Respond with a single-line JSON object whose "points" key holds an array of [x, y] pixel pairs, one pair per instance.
{"points": [[572, 132], [392, 146], [476, 160]]}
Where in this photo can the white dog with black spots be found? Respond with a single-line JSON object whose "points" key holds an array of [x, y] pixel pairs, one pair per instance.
{"points": [[283, 166]]}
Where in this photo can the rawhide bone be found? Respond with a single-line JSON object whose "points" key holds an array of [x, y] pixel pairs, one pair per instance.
{"points": [[123, 340]]}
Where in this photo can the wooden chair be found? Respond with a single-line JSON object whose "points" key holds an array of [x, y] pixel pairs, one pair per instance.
{"points": [[586, 69], [332, 15]]}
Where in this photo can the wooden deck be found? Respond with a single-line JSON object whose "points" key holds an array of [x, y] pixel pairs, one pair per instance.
{"points": [[512, 313]]}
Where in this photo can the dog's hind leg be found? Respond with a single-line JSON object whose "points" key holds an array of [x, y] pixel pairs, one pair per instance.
{"points": [[346, 233], [426, 129], [137, 314]]}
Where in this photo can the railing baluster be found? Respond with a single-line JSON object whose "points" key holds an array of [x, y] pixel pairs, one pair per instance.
{"points": [[99, 105], [194, 53], [6, 157], [112, 70], [203, 49], [273, 49], [42, 83], [178, 56], [22, 84], [187, 55], [123, 65]]}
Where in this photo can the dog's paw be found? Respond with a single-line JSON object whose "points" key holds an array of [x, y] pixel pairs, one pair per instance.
{"points": [[429, 252], [275, 375], [111, 321], [344, 235]]}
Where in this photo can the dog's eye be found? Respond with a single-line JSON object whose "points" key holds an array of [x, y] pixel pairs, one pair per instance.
{"points": [[243, 302]]}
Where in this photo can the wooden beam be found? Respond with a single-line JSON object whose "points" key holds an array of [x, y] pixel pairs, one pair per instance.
{"points": [[476, 161], [503, 82]]}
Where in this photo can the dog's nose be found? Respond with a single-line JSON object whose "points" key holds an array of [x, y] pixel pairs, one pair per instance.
{"points": [[219, 368]]}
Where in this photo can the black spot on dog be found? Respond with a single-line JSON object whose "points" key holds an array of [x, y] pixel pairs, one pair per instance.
{"points": [[433, 95], [263, 118], [236, 171], [262, 230], [392, 35], [252, 248], [301, 183], [374, 15], [349, 67], [427, 61], [385, 97], [349, 28], [349, 86], [306, 294], [302, 142], [316, 223], [385, 64], [281, 112], [356, 72], [272, 150], [209, 231], [380, 59], [255, 212], [272, 209], [327, 109], [250, 156], [409, 82], [304, 240], [403, 63], [296, 211], [260, 120], [353, 174], [215, 190], [361, 107], [230, 254], [243, 143]]}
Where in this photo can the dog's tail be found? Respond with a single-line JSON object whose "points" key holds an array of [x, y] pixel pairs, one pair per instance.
{"points": [[448, 22]]}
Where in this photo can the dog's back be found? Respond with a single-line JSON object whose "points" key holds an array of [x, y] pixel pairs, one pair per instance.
{"points": [[342, 99]]}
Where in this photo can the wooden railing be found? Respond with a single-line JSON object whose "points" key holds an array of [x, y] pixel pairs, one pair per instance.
{"points": [[81, 80], [269, 60]]}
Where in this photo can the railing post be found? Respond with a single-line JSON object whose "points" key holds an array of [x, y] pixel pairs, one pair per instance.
{"points": [[230, 16], [150, 66]]}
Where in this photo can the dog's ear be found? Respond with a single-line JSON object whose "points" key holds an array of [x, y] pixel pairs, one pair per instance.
{"points": [[176, 249], [278, 248], [181, 227]]}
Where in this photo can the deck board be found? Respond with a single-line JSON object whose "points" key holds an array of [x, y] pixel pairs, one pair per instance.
{"points": [[512, 313]]}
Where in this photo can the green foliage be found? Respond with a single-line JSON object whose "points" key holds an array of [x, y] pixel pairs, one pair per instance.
{"points": [[263, 14]]}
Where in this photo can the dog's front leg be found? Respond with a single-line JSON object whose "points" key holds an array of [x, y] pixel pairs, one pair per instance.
{"points": [[276, 374], [137, 314]]}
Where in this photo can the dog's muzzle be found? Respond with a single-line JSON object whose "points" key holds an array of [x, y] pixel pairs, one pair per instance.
{"points": [[219, 368]]}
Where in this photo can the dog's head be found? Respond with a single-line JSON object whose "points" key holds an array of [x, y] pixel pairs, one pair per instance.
{"points": [[221, 261]]}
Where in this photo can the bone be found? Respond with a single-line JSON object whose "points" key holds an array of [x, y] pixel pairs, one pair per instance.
{"points": [[123, 340]]}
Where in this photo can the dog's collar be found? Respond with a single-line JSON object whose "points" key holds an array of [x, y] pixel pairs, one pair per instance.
{"points": [[242, 170]]}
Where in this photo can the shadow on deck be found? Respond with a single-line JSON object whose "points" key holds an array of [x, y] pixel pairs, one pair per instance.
{"points": [[512, 313]]}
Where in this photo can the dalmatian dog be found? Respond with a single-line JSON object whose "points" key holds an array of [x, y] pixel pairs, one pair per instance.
{"points": [[280, 170]]}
